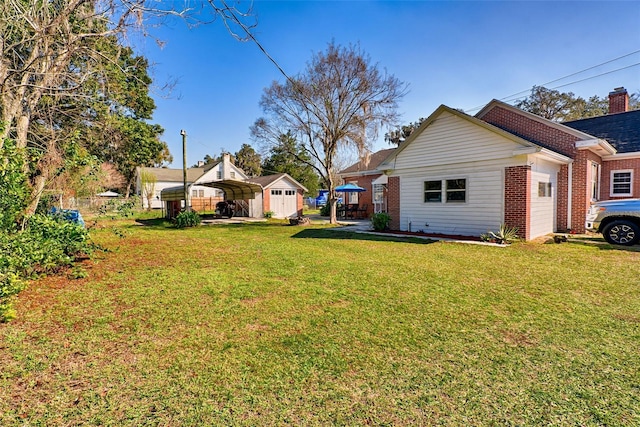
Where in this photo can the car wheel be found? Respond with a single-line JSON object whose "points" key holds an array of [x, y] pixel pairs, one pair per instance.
{"points": [[621, 232]]}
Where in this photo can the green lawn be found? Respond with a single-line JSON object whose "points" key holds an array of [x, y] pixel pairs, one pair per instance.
{"points": [[266, 324]]}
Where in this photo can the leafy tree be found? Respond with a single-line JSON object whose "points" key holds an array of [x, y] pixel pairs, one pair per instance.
{"points": [[565, 106], [341, 100], [248, 160], [55, 55], [290, 157], [401, 133]]}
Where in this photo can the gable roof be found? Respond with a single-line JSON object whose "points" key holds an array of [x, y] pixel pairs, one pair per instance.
{"points": [[268, 180], [544, 132], [374, 161], [476, 121], [621, 130], [174, 175]]}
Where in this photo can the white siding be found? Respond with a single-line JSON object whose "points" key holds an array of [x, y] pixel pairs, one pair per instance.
{"points": [[451, 139], [543, 209], [482, 210], [283, 205], [453, 148]]}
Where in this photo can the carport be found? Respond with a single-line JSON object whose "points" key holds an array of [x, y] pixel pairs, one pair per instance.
{"points": [[233, 190]]}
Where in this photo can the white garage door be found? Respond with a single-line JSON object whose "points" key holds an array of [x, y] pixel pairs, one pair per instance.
{"points": [[283, 203]]}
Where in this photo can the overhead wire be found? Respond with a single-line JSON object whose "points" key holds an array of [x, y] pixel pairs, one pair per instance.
{"points": [[516, 96]]}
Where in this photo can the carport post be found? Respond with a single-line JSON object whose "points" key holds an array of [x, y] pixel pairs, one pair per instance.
{"points": [[184, 169]]}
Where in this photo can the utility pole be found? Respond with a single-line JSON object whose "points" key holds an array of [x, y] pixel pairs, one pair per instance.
{"points": [[184, 169]]}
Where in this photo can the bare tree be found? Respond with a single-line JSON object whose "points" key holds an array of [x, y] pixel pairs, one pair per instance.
{"points": [[341, 100]]}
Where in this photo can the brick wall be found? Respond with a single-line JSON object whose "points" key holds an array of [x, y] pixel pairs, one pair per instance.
{"points": [[526, 127], [299, 202], [393, 201], [618, 101], [366, 197], [517, 199], [614, 165], [266, 200], [562, 198]]}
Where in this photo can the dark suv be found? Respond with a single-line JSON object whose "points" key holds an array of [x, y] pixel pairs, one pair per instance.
{"points": [[617, 220]]}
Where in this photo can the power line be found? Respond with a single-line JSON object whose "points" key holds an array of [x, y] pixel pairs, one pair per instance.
{"points": [[515, 96]]}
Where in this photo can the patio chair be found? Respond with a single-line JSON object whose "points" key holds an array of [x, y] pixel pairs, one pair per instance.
{"points": [[362, 211]]}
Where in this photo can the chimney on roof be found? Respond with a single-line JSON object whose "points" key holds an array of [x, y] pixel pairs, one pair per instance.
{"points": [[200, 163], [618, 101]]}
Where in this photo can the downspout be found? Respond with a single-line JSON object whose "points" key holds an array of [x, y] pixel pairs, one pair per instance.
{"points": [[569, 194]]}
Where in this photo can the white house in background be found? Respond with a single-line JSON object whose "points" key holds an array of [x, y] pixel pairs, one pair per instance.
{"points": [[170, 178], [223, 181]]}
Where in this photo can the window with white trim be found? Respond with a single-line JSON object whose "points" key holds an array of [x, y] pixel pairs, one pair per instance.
{"points": [[233, 175], [289, 192], [447, 190], [622, 183], [276, 192], [595, 181], [218, 174], [544, 189]]}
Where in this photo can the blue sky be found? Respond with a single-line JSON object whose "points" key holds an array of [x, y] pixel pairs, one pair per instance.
{"points": [[461, 54]]}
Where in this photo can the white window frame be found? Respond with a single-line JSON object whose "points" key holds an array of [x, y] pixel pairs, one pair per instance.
{"points": [[445, 191], [595, 181], [611, 188]]}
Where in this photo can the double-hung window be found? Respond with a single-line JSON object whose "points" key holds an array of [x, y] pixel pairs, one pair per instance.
{"points": [[445, 190], [622, 183]]}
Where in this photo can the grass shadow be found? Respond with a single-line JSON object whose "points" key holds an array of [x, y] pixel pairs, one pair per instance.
{"points": [[328, 233], [157, 223]]}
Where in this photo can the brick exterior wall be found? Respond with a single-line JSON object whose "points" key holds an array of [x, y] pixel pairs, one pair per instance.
{"points": [[615, 165], [517, 199], [618, 101], [266, 200], [393, 202], [300, 202], [366, 197], [562, 198], [528, 128]]}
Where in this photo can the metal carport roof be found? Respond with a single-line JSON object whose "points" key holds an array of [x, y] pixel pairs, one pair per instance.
{"points": [[233, 190]]}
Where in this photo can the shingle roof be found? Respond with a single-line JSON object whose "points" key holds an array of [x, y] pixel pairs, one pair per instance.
{"points": [[375, 160], [174, 175], [265, 181], [621, 130]]}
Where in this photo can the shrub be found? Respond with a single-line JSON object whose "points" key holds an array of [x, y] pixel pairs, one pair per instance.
{"points": [[187, 219], [504, 235], [46, 244], [380, 221], [325, 210], [269, 214]]}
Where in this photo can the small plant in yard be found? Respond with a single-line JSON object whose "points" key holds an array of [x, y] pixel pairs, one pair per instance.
{"points": [[504, 235], [187, 219], [380, 221], [269, 214], [325, 210]]}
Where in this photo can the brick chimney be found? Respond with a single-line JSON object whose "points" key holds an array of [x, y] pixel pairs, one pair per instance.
{"points": [[618, 101]]}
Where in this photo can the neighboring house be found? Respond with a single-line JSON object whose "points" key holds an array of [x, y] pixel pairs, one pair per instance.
{"points": [[282, 195], [365, 174], [465, 175], [225, 181], [169, 178]]}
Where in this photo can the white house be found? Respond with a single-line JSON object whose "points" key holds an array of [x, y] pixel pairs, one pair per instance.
{"points": [[460, 175]]}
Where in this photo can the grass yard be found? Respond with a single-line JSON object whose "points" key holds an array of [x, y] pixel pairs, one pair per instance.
{"points": [[265, 324]]}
